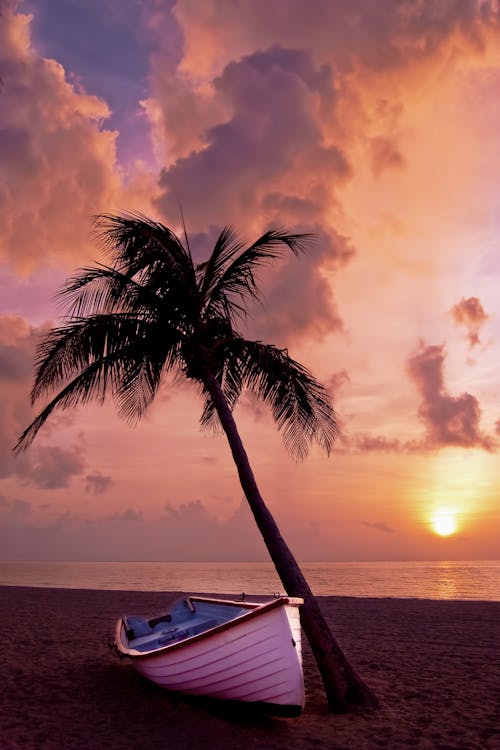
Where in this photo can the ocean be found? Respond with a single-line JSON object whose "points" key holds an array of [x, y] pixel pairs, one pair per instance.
{"points": [[469, 580]]}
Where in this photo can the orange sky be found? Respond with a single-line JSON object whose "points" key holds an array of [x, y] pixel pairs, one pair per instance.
{"points": [[377, 129]]}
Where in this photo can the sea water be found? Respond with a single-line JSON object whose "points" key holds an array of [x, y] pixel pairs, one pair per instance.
{"points": [[422, 580]]}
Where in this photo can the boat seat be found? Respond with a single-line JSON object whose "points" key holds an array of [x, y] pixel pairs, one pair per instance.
{"points": [[135, 627], [157, 620]]}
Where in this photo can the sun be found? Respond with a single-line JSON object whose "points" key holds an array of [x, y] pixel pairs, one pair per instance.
{"points": [[444, 522]]}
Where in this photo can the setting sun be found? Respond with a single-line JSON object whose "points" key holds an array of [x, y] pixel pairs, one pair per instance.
{"points": [[444, 523]]}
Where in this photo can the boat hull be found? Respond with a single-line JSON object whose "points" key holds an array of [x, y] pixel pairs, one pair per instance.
{"points": [[256, 658]]}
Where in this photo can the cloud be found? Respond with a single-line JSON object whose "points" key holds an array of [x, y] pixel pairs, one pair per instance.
{"points": [[29, 297], [53, 152], [378, 37], [379, 443], [15, 363], [97, 483], [470, 313], [188, 532], [268, 163], [269, 114], [128, 515], [271, 136], [88, 39], [378, 526], [337, 381], [20, 508], [266, 115], [44, 466], [449, 420], [365, 442], [385, 155], [50, 467], [17, 346]]}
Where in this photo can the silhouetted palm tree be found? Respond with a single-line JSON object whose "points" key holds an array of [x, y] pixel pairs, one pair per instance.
{"points": [[153, 311]]}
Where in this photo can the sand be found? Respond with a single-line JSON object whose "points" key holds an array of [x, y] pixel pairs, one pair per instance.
{"points": [[434, 665]]}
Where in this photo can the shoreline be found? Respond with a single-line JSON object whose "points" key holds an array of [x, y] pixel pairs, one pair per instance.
{"points": [[433, 664]]}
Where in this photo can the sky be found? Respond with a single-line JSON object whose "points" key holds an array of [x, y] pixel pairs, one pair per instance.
{"points": [[373, 125]]}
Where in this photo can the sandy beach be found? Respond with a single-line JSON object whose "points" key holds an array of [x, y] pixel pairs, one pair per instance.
{"points": [[434, 665]]}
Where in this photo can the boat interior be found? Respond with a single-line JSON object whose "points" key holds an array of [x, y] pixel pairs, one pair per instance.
{"points": [[188, 617]]}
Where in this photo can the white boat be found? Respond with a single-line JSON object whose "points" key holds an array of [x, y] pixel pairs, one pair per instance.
{"points": [[247, 650]]}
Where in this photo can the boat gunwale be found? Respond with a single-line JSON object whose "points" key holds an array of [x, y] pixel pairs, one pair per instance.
{"points": [[255, 609]]}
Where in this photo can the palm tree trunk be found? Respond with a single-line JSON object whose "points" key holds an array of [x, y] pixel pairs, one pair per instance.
{"points": [[343, 686]]}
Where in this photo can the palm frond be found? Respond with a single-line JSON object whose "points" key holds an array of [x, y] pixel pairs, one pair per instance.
{"points": [[300, 405], [140, 246], [90, 384], [79, 343], [99, 354], [225, 248], [236, 279], [151, 311], [102, 289], [116, 337], [141, 378]]}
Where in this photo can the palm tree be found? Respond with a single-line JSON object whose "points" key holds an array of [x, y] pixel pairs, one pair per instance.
{"points": [[153, 312]]}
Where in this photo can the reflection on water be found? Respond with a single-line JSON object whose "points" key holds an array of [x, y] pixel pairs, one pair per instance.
{"points": [[422, 580], [447, 584]]}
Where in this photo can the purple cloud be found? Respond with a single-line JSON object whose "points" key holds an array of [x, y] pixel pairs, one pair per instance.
{"points": [[449, 420], [269, 159]]}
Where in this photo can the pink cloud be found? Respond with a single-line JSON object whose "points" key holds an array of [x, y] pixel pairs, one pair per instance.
{"points": [[449, 420], [50, 467], [337, 381], [385, 155], [268, 163], [46, 467], [57, 163], [17, 346], [272, 135], [380, 444], [379, 37], [470, 314], [97, 483]]}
